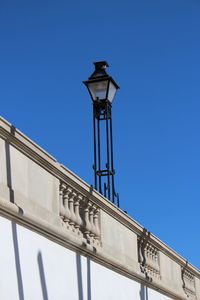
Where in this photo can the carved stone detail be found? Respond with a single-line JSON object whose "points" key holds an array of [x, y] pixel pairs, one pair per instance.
{"points": [[96, 223], [188, 283], [72, 220], [67, 213], [79, 214], [79, 221], [148, 256], [61, 193], [91, 218], [86, 224]]}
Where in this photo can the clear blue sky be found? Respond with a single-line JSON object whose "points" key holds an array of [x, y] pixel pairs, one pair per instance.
{"points": [[153, 48]]}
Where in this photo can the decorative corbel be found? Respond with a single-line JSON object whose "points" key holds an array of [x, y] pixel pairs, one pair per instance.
{"points": [[142, 242]]}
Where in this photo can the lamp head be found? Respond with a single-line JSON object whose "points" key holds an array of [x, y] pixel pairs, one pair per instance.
{"points": [[101, 86]]}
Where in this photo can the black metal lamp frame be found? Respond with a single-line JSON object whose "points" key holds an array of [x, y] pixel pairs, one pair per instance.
{"points": [[102, 113]]}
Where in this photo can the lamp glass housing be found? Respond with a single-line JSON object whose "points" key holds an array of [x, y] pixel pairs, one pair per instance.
{"points": [[98, 89], [111, 91], [102, 90]]}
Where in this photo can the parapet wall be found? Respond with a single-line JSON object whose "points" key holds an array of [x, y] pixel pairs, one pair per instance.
{"points": [[39, 193]]}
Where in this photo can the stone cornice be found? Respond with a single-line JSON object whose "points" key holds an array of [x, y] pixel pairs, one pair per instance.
{"points": [[46, 161]]}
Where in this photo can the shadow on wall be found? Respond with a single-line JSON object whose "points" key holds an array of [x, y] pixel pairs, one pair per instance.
{"points": [[42, 276], [80, 279], [8, 171], [17, 262], [18, 267], [88, 279], [13, 224], [143, 292], [79, 276]]}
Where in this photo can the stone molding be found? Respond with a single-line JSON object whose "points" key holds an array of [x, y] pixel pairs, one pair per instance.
{"points": [[79, 215], [188, 280], [148, 257]]}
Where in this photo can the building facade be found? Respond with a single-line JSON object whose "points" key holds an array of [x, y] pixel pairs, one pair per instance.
{"points": [[62, 240]]}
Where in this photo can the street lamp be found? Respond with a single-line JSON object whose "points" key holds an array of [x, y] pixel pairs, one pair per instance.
{"points": [[102, 89]]}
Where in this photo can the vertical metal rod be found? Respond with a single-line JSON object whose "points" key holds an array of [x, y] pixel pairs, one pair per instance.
{"points": [[118, 199], [99, 155], [104, 189], [112, 163], [108, 151], [95, 149]]}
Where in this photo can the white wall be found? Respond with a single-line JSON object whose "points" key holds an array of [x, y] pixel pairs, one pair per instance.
{"points": [[33, 268]]}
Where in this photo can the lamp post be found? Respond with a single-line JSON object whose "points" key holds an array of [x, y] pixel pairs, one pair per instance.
{"points": [[102, 89]]}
